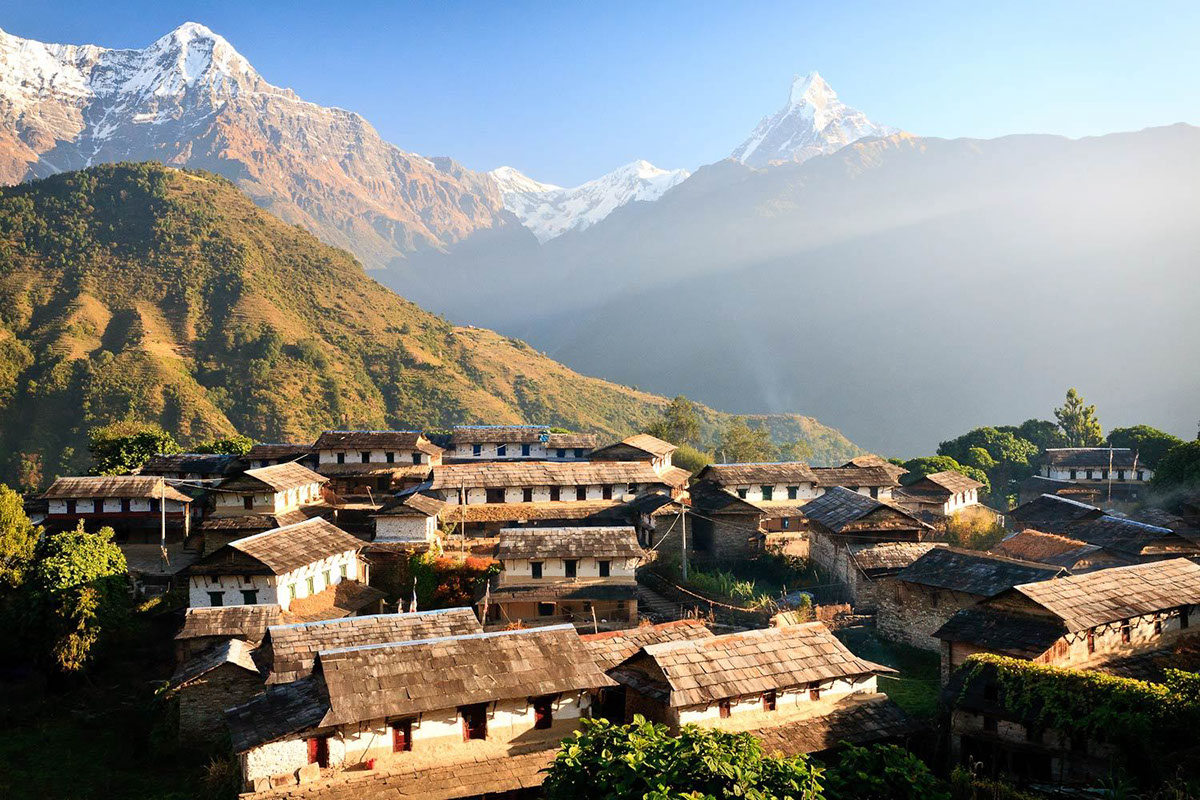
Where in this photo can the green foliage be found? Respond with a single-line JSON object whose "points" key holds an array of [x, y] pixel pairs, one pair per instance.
{"points": [[122, 447], [18, 538], [1043, 433], [1179, 468], [236, 445], [1078, 422], [882, 772], [974, 529], [444, 581], [604, 761], [679, 423], [1004, 457], [691, 459], [965, 785], [738, 442], [927, 465], [1150, 444]]}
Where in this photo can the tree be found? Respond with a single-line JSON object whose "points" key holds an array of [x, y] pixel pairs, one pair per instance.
{"points": [[691, 459], [1149, 443], [679, 423], [235, 445], [122, 447], [1041, 432], [739, 443], [1003, 456], [1179, 468], [604, 761], [927, 465], [883, 772], [18, 537], [1078, 422]]}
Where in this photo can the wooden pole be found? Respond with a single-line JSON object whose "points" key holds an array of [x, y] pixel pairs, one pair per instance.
{"points": [[683, 539]]}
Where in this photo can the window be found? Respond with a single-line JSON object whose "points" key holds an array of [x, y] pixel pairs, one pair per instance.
{"points": [[476, 449], [742, 493], [389, 458], [216, 598], [875, 492], [416, 458], [768, 492], [1103, 474], [365, 457], [1183, 617], [155, 504], [560, 453], [248, 502], [1074, 474], [494, 495], [571, 566], [125, 505], [545, 609], [785, 523], [543, 712], [312, 588], [292, 591], [501, 450], [1091, 641], [1126, 631], [1157, 627], [723, 708], [606, 491], [633, 488], [555, 494], [581, 493], [525, 450], [527, 495], [1089, 474], [579, 452], [605, 568], [1120, 474], [474, 721], [318, 751], [345, 570], [793, 492], [768, 701], [402, 736], [535, 569], [814, 691], [249, 596], [341, 458], [1140, 475]]}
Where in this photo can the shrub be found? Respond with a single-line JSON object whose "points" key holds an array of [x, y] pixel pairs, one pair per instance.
{"points": [[881, 772]]}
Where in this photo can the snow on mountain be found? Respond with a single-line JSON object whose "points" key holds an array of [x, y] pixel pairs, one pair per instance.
{"points": [[813, 122], [549, 211]]}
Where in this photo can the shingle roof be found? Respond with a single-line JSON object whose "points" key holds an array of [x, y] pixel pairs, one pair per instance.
{"points": [[414, 504], [1046, 548], [748, 473], [838, 507], [888, 557], [376, 440], [340, 600], [281, 710], [1094, 457], [973, 572], [498, 474], [612, 647], [644, 442], [1053, 508], [1128, 536], [412, 677], [855, 476], [198, 463], [584, 542], [1108, 595], [255, 523], [876, 461], [267, 451], [134, 487], [290, 547], [230, 651], [293, 648], [1020, 635], [278, 477], [952, 481], [857, 719], [246, 622], [520, 434], [701, 671]]}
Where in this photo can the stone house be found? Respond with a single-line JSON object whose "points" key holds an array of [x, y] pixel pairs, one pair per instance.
{"points": [[582, 575], [867, 570], [721, 527], [412, 518], [205, 627], [646, 513], [640, 447], [279, 567], [267, 454], [763, 482], [139, 509], [1076, 555], [1081, 621], [781, 684], [943, 493], [278, 489], [1116, 471], [192, 466], [449, 704], [360, 463], [221, 676], [841, 517], [512, 442], [1131, 541], [933, 588]]}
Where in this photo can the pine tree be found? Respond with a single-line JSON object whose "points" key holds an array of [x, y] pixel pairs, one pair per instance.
{"points": [[1078, 422]]}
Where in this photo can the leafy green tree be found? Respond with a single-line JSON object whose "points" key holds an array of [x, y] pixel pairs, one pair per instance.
{"points": [[1078, 422], [691, 459], [235, 445], [1179, 468], [604, 761], [1005, 457], [1041, 432], [18, 537], [881, 772], [679, 423], [927, 465], [122, 447], [1151, 444], [738, 442], [78, 581]]}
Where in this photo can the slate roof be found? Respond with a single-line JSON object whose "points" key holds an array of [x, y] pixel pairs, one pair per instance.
{"points": [[785, 472], [857, 719], [514, 512], [612, 647], [585, 542], [546, 591], [855, 476], [412, 677], [952, 481], [340, 600], [294, 648], [277, 477], [876, 461], [281, 710], [398, 471], [267, 451], [498, 474], [376, 440], [839, 507], [1045, 548], [134, 487], [1093, 457], [412, 505], [284, 549], [1107, 595], [709, 497], [230, 651], [255, 523], [651, 445], [702, 671], [974, 572], [198, 463], [520, 434], [1128, 536], [1019, 635], [1050, 508], [245, 622], [883, 558]]}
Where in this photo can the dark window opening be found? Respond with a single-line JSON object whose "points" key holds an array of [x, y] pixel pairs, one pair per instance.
{"points": [[248, 502], [501, 450], [1120, 474], [249, 596], [785, 523], [524, 449], [543, 712], [742, 493], [494, 495], [793, 492], [416, 458], [768, 492], [571, 566], [1074, 474], [1126, 631], [581, 493], [535, 569], [989, 724], [527, 495], [474, 721], [402, 736], [724, 708], [633, 488], [606, 492], [1089, 474], [125, 505], [70, 506], [875, 491], [365, 457], [318, 751], [389, 458], [216, 598], [545, 609], [1140, 475], [476, 449], [814, 692], [341, 458], [1091, 642], [579, 452], [1157, 627], [768, 701], [560, 453], [1183, 616], [156, 505], [555, 493], [605, 568]]}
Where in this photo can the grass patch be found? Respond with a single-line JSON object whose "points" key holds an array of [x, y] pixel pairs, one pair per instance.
{"points": [[917, 687]]}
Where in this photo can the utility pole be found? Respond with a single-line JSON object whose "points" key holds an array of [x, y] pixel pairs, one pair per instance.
{"points": [[683, 538], [162, 508]]}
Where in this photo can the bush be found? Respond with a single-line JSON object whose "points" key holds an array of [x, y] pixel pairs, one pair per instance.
{"points": [[881, 772]]}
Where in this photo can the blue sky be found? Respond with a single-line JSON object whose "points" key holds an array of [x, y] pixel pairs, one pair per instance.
{"points": [[567, 91]]}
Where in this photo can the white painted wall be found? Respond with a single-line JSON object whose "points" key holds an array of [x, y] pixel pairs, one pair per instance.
{"points": [[406, 529], [231, 587], [1081, 473], [541, 494], [227, 504], [520, 569], [109, 505], [490, 451], [278, 589], [710, 716], [400, 457]]}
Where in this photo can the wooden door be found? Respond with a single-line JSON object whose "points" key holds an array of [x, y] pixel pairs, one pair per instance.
{"points": [[318, 751]]}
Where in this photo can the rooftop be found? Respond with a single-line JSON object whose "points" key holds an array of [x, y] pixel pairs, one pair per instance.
{"points": [[282, 550], [612, 647], [376, 440], [651, 445], [277, 477], [582, 542], [501, 474], [132, 487], [839, 507], [974, 572]]}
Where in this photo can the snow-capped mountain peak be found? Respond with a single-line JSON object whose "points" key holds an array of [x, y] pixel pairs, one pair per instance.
{"points": [[813, 122], [549, 211]]}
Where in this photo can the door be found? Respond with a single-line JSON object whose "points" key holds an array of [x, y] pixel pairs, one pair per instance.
{"points": [[318, 751], [474, 721], [402, 736]]}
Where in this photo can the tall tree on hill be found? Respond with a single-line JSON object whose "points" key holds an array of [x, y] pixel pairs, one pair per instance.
{"points": [[739, 442], [122, 447], [679, 423], [1042, 432], [1078, 422], [1151, 444]]}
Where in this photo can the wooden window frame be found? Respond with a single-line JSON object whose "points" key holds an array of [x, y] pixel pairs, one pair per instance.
{"points": [[318, 751], [479, 730], [1126, 631], [249, 597], [543, 712], [724, 709]]}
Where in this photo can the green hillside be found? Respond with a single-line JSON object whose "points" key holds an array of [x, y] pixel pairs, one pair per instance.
{"points": [[137, 291]]}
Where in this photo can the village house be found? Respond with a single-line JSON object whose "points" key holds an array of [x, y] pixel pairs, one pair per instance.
{"points": [[470, 715], [512, 442], [411, 518], [1075, 555], [867, 570], [942, 493], [311, 559], [764, 483], [1037, 485], [220, 676], [841, 516], [722, 527], [267, 455], [204, 627], [934, 587], [640, 447], [273, 490], [192, 466], [1121, 538], [365, 462], [581, 575], [795, 687], [1116, 471], [1050, 512], [139, 509]]}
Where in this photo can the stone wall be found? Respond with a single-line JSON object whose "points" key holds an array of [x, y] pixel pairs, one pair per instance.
{"points": [[910, 613], [202, 702]]}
